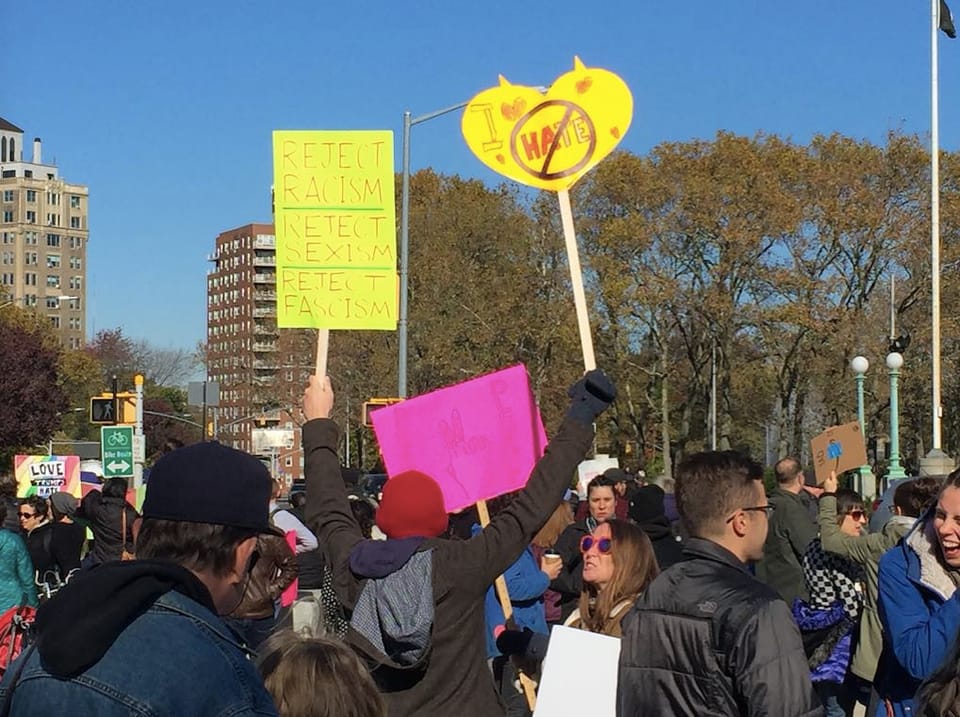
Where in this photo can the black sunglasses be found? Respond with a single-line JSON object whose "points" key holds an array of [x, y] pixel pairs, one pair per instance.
{"points": [[768, 509]]}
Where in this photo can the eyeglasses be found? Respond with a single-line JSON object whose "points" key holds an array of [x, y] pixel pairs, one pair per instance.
{"points": [[768, 509], [857, 514], [604, 545], [27, 515]]}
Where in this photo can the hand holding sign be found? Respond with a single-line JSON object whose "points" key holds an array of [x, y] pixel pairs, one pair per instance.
{"points": [[550, 141]]}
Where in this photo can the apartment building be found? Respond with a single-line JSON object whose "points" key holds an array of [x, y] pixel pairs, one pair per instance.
{"points": [[261, 371], [43, 237]]}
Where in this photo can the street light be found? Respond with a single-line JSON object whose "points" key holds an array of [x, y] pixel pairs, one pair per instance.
{"points": [[894, 469], [408, 122], [859, 364]]}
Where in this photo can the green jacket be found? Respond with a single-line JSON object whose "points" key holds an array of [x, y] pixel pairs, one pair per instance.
{"points": [[791, 530], [865, 550]]}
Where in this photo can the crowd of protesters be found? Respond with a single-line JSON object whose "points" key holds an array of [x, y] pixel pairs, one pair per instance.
{"points": [[727, 598]]}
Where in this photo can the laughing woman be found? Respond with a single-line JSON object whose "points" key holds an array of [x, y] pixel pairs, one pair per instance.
{"points": [[618, 564]]}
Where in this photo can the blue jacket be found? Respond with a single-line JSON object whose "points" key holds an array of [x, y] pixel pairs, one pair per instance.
{"points": [[176, 659], [16, 573], [920, 614], [526, 584]]}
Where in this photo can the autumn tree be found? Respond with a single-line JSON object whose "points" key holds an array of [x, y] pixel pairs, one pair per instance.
{"points": [[31, 398]]}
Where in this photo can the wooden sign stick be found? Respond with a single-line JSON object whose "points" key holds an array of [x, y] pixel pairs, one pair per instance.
{"points": [[323, 347], [576, 278], [504, 597]]}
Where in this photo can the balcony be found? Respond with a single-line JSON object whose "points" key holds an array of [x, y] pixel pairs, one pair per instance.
{"points": [[265, 260], [259, 278], [264, 347], [262, 242], [261, 313], [265, 296], [267, 365], [264, 329]]}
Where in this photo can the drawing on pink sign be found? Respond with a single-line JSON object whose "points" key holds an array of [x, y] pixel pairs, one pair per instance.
{"points": [[477, 439]]}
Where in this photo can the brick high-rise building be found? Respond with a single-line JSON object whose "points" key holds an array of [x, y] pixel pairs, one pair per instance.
{"points": [[43, 238], [261, 371]]}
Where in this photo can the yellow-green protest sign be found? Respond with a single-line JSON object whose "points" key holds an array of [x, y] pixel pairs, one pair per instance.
{"points": [[335, 220], [549, 140]]}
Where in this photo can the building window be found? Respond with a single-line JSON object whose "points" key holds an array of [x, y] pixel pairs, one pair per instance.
{"points": [[53, 240], [6, 279], [8, 173], [31, 195], [30, 279], [74, 282], [53, 198], [53, 219], [76, 243], [75, 222], [8, 216], [53, 261], [53, 281], [54, 321], [3, 149], [28, 173], [30, 258], [9, 237], [31, 238], [31, 217], [7, 257], [74, 201], [53, 303], [8, 195]]}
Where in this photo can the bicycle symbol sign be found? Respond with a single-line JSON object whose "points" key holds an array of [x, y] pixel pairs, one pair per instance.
{"points": [[116, 450]]}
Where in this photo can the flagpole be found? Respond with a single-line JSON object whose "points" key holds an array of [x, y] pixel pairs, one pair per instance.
{"points": [[936, 461]]}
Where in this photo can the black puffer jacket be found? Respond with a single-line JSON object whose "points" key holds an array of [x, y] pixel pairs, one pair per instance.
{"points": [[708, 638]]}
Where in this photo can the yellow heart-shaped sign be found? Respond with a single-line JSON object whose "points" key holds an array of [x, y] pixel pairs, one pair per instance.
{"points": [[549, 140]]}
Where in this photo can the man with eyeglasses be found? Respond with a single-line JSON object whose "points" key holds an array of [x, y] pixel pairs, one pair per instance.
{"points": [[706, 637], [792, 528]]}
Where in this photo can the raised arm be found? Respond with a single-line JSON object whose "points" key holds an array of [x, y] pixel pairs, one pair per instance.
{"points": [[487, 555], [327, 510]]}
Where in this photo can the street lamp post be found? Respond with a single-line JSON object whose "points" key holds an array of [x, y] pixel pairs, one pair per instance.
{"points": [[865, 476], [894, 469], [408, 122]]}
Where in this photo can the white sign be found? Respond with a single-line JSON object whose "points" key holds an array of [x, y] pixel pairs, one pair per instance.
{"points": [[578, 657], [139, 448], [265, 440], [590, 469]]}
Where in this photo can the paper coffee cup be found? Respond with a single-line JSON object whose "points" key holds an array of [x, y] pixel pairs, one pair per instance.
{"points": [[551, 558]]}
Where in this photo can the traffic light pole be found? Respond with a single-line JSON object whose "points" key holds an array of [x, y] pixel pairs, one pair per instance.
{"points": [[139, 439], [116, 406]]}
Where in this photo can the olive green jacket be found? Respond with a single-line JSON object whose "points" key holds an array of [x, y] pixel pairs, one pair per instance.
{"points": [[865, 550]]}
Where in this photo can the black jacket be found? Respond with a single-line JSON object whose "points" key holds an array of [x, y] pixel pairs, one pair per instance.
{"points": [[708, 638], [666, 546], [569, 583], [104, 516]]}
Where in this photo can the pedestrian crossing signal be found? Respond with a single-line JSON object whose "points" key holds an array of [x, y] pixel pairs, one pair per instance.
{"points": [[103, 410]]}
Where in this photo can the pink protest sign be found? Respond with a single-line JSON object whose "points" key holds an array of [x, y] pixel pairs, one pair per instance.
{"points": [[478, 439]]}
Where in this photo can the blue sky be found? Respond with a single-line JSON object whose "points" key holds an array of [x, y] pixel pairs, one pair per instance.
{"points": [[165, 109]]}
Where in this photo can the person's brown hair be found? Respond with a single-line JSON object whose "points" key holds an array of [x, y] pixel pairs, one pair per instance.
{"points": [[913, 497], [562, 517], [317, 677], [847, 500], [634, 567], [710, 486], [200, 547]]}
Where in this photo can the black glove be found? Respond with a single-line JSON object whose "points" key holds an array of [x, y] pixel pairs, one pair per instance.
{"points": [[525, 644], [590, 396]]}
